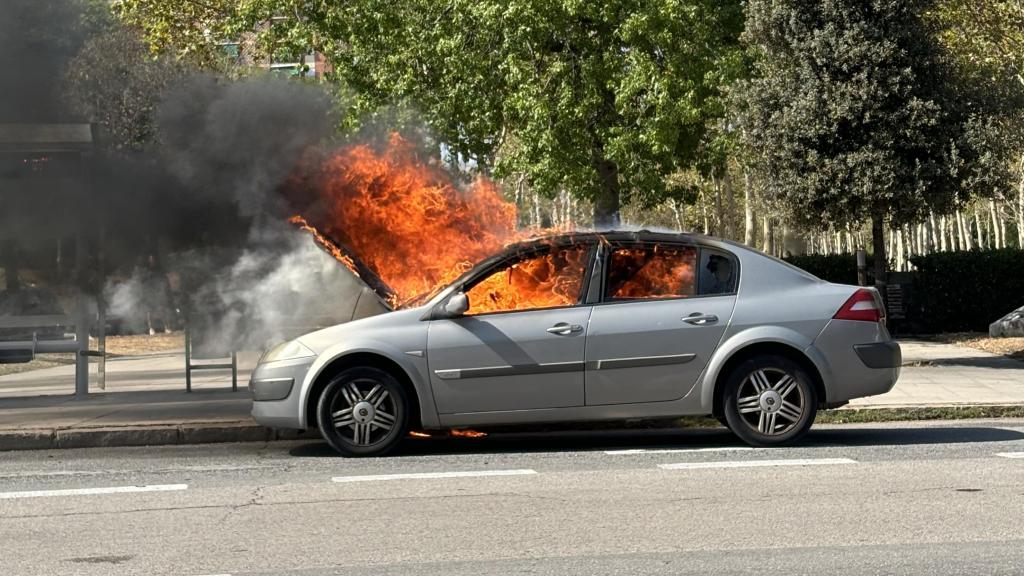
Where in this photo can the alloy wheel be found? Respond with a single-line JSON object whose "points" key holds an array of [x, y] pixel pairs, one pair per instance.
{"points": [[363, 412], [770, 401]]}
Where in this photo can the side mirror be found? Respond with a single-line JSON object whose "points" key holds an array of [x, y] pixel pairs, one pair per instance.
{"points": [[457, 305]]}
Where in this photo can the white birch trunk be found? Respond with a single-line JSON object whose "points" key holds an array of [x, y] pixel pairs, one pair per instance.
{"points": [[997, 240], [933, 239], [982, 241], [1020, 205], [748, 210]]}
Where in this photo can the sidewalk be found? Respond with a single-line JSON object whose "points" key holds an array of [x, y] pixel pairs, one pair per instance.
{"points": [[936, 374], [146, 404]]}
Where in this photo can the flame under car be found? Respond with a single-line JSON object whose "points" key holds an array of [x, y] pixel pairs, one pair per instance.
{"points": [[589, 327]]}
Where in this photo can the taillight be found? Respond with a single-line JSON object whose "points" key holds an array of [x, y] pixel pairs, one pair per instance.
{"points": [[865, 305]]}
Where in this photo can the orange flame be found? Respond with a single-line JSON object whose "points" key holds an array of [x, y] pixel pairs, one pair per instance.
{"points": [[408, 224], [659, 273], [547, 281], [403, 219], [465, 433], [326, 243]]}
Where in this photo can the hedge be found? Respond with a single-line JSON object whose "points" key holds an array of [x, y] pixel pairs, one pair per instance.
{"points": [[838, 268], [949, 292], [958, 291]]}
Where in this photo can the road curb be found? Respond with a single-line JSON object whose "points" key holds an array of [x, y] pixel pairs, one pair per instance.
{"points": [[248, 431], [154, 435]]}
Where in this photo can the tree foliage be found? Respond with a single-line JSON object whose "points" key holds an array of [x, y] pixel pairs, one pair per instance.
{"points": [[119, 93], [593, 97], [192, 30], [852, 112]]}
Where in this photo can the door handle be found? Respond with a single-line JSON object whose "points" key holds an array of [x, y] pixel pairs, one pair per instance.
{"points": [[698, 319], [564, 329]]}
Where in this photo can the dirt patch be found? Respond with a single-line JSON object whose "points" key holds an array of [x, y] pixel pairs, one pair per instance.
{"points": [[1009, 347], [143, 344]]}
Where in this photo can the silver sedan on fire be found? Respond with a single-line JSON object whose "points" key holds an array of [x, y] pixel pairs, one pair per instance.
{"points": [[588, 327]]}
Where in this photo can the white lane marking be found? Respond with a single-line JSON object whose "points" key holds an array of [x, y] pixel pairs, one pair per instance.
{"points": [[93, 491], [432, 475], [1011, 454], [756, 463], [48, 474], [675, 450]]}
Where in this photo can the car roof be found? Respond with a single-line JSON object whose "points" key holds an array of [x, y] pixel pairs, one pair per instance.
{"points": [[607, 236]]}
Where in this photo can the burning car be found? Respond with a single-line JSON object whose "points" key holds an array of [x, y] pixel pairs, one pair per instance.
{"points": [[587, 327]]}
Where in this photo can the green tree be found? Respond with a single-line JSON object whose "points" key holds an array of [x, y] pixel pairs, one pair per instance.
{"points": [[192, 30], [604, 99], [852, 115], [986, 41], [115, 83]]}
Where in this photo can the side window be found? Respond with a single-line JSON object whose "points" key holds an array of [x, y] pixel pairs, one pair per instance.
{"points": [[548, 280], [717, 273], [651, 272]]}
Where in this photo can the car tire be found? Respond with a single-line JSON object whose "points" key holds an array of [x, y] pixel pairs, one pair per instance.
{"points": [[769, 401], [363, 411]]}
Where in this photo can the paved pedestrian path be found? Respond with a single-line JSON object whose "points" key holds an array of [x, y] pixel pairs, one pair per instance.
{"points": [[937, 374]]}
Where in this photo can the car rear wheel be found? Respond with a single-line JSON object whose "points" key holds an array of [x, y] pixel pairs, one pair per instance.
{"points": [[769, 401], [363, 412]]}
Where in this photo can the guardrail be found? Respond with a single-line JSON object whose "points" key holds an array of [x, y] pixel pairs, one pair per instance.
{"points": [[21, 351]]}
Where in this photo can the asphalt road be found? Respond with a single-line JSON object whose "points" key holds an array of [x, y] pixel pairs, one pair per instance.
{"points": [[925, 498]]}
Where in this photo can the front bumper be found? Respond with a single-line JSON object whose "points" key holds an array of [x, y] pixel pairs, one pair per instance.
{"points": [[275, 388]]}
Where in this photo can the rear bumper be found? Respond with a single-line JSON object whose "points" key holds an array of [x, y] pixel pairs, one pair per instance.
{"points": [[880, 354], [861, 360]]}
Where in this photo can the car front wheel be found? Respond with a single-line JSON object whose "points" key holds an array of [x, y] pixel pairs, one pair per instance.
{"points": [[363, 412], [769, 401]]}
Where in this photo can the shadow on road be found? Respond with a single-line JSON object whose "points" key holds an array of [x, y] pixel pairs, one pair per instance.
{"points": [[595, 440]]}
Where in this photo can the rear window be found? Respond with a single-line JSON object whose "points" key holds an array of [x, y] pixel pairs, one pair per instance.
{"points": [[651, 273]]}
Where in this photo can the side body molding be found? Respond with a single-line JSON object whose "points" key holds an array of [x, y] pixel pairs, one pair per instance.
{"points": [[415, 368]]}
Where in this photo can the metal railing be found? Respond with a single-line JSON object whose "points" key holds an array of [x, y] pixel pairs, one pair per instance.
{"points": [[190, 365], [21, 351]]}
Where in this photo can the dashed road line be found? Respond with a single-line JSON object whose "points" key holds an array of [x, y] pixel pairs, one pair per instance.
{"points": [[757, 463], [1011, 454], [92, 491], [432, 475], [634, 451]]}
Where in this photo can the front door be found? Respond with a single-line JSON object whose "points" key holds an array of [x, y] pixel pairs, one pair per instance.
{"points": [[657, 325], [521, 344]]}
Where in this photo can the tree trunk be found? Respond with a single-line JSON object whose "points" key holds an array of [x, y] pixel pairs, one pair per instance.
{"points": [[997, 240], [702, 198], [878, 246], [933, 238], [674, 206], [606, 204], [898, 234], [767, 245], [1020, 205], [719, 216], [748, 212], [982, 242], [730, 204]]}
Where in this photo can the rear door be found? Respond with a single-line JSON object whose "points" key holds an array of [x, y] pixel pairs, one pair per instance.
{"points": [[521, 344], [663, 311]]}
